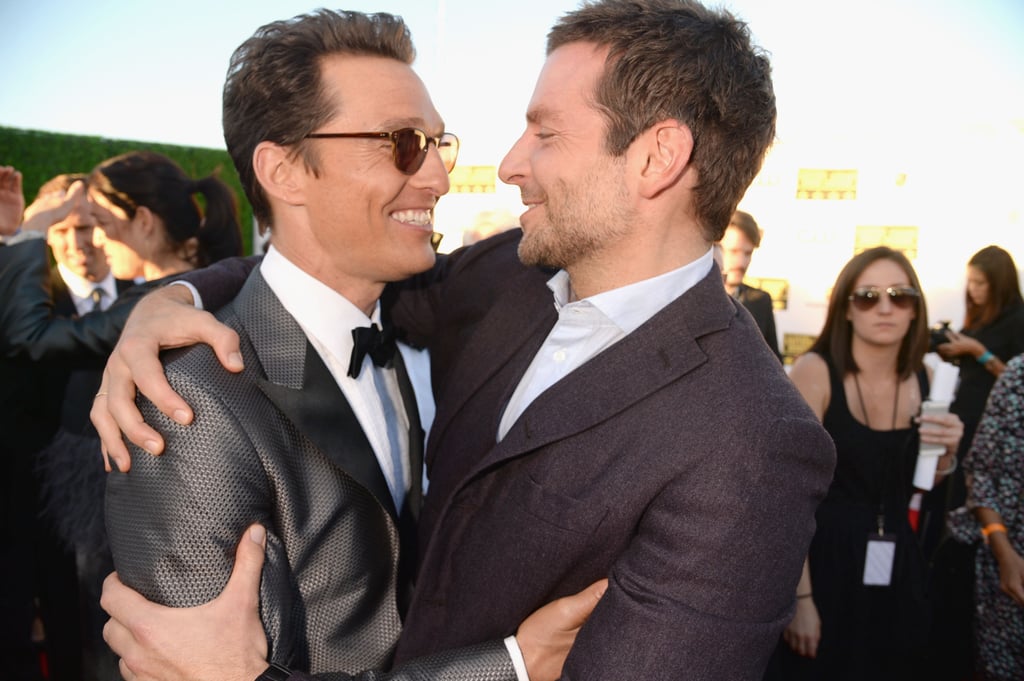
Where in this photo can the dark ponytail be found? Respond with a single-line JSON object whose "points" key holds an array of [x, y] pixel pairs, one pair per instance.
{"points": [[146, 178], [219, 234]]}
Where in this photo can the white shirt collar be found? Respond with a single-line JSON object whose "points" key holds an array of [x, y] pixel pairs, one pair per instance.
{"points": [[81, 288], [631, 305], [322, 312]]}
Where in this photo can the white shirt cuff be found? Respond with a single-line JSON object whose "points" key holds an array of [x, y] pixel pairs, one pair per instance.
{"points": [[197, 300], [517, 658]]}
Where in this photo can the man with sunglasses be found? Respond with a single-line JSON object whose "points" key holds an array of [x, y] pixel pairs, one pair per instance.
{"points": [[318, 439], [603, 407]]}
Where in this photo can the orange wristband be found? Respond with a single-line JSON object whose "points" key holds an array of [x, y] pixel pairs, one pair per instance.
{"points": [[990, 528]]}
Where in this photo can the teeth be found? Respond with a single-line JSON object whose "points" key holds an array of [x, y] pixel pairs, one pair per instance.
{"points": [[414, 217]]}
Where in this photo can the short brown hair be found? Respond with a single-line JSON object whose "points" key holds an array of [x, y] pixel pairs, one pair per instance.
{"points": [[61, 183], [274, 90], [676, 59], [746, 223], [836, 338]]}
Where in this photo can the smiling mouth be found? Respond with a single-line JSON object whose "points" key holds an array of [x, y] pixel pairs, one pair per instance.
{"points": [[417, 218]]}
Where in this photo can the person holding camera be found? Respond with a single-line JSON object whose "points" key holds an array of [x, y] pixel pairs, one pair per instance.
{"points": [[992, 334], [861, 611]]}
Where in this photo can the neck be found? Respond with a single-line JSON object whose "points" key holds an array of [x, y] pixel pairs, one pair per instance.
{"points": [[875, 361], [165, 267], [361, 292], [641, 255]]}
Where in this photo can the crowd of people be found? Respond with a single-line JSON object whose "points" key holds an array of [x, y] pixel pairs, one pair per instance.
{"points": [[567, 450], [113, 234]]}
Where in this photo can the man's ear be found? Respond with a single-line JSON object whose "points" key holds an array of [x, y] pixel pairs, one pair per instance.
{"points": [[665, 149], [280, 173]]}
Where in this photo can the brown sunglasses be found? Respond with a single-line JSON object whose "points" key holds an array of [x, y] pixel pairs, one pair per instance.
{"points": [[903, 297], [408, 146]]}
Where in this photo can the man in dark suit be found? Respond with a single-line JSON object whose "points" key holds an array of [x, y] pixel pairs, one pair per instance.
{"points": [[43, 401], [636, 428], [741, 238]]}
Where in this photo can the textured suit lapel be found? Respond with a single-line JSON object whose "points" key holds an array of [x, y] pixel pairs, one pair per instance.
{"points": [[657, 354], [301, 386]]}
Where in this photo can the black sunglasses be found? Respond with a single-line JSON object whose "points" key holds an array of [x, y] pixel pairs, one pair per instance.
{"points": [[903, 297], [408, 145]]}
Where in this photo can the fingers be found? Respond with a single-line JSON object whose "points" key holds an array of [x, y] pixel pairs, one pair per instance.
{"points": [[126, 607], [119, 402], [204, 328], [244, 583], [579, 606], [110, 435]]}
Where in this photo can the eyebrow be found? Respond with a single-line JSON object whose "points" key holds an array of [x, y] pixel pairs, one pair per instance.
{"points": [[535, 115]]}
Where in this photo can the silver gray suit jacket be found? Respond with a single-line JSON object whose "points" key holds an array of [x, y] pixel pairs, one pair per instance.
{"points": [[276, 444]]}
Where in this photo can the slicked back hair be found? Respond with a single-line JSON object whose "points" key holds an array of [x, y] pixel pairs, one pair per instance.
{"points": [[274, 90]]}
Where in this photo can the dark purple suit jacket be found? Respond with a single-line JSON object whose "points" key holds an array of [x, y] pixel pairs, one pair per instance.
{"points": [[681, 463]]}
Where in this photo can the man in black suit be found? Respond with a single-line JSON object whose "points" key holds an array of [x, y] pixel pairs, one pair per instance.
{"points": [[622, 428], [44, 403], [742, 237]]}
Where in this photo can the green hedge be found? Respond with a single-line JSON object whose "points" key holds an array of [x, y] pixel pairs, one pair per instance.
{"points": [[41, 155]]}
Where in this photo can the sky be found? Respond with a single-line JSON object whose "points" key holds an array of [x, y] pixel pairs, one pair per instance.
{"points": [[153, 71], [930, 90]]}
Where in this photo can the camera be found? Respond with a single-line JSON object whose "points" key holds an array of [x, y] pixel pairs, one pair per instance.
{"points": [[937, 335]]}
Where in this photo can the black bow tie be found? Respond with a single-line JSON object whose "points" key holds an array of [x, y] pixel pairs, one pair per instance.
{"points": [[370, 340]]}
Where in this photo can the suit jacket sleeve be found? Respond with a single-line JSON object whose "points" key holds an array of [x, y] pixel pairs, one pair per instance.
{"points": [[706, 585], [31, 329], [220, 282], [174, 521]]}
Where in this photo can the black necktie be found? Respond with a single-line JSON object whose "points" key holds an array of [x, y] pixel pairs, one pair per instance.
{"points": [[370, 340], [97, 299]]}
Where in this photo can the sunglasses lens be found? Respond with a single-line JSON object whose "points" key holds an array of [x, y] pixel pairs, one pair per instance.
{"points": [[864, 300], [410, 149], [902, 299], [448, 147]]}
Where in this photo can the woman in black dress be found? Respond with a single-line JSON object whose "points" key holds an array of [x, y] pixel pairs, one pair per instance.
{"points": [[865, 379], [992, 334]]}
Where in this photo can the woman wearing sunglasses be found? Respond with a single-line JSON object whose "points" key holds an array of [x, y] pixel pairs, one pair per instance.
{"points": [[861, 611]]}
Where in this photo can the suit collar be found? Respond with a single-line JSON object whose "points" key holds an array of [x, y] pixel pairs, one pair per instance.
{"points": [[658, 353], [507, 339], [301, 386]]}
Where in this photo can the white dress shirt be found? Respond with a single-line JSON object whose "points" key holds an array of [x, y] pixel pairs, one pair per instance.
{"points": [[81, 289], [589, 326], [327, 318]]}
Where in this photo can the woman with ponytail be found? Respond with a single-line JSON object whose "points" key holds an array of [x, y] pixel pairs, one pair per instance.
{"points": [[154, 226], [146, 201]]}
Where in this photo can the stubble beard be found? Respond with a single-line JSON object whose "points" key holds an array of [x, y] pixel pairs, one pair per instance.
{"points": [[579, 223]]}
